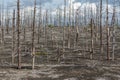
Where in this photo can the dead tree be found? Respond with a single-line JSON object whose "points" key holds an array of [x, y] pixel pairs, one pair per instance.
{"points": [[63, 46], [101, 44], [59, 17], [24, 23], [76, 24], [113, 32], [72, 14], [51, 21], [92, 40], [69, 25], [97, 22], [55, 37], [2, 25], [13, 37], [0, 16], [31, 19], [18, 34], [40, 23], [7, 21], [33, 37], [107, 28], [46, 27]]}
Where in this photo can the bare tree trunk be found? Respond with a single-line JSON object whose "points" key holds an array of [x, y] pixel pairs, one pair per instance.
{"points": [[51, 21], [13, 37], [96, 24], [24, 33], [18, 34], [33, 37], [40, 24], [101, 47], [7, 22], [69, 25], [24, 23], [92, 40], [64, 27], [77, 31], [0, 16], [46, 27], [2, 28], [57, 42], [108, 54], [113, 24]]}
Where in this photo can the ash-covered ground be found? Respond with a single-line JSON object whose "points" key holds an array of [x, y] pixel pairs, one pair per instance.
{"points": [[51, 63]]}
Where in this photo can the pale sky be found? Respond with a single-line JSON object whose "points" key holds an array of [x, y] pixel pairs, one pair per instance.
{"points": [[52, 5]]}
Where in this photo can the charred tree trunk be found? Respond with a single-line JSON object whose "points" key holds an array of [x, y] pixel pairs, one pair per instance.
{"points": [[13, 37], [7, 22], [101, 44], [46, 27], [40, 24], [69, 25], [64, 27], [24, 27], [77, 31], [2, 26], [107, 28], [92, 40], [18, 34], [113, 32], [33, 37]]}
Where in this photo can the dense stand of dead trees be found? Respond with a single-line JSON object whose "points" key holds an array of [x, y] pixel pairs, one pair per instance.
{"points": [[90, 24]]}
